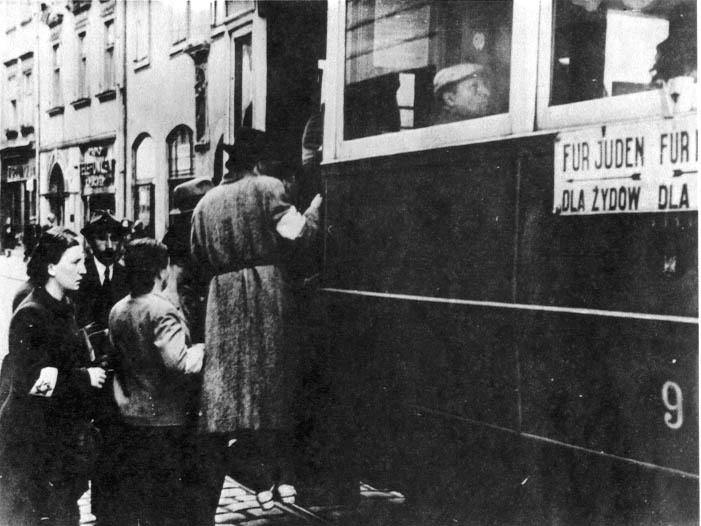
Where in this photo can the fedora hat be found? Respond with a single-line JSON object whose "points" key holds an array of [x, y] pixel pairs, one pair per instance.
{"points": [[250, 146], [187, 195], [103, 220]]}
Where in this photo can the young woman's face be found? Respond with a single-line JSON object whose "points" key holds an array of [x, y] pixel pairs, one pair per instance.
{"points": [[70, 269]]}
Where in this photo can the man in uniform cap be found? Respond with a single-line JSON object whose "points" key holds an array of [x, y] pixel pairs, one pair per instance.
{"points": [[462, 93], [104, 284]]}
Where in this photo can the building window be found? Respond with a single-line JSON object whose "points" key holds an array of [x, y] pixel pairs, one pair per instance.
{"points": [[235, 7], [411, 64], [180, 21], [109, 55], [13, 114], [213, 12], [618, 49], [82, 67], [57, 99], [142, 34], [12, 95], [27, 117], [143, 168], [243, 81], [180, 158]]}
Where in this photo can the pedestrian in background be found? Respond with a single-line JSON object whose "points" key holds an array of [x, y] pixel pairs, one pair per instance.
{"points": [[187, 285], [47, 442], [152, 343], [9, 240], [50, 222], [30, 237], [240, 232]]}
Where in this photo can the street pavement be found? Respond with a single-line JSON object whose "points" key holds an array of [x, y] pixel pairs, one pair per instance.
{"points": [[237, 504], [12, 275], [238, 507]]}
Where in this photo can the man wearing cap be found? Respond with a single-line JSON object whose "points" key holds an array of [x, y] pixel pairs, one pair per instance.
{"points": [[187, 288], [104, 284], [461, 92], [105, 280]]}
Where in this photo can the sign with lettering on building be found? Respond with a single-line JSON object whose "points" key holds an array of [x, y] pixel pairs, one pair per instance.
{"points": [[19, 172], [97, 171], [627, 168]]}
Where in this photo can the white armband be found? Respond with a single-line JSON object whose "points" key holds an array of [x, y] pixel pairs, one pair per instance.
{"points": [[291, 224], [45, 384]]}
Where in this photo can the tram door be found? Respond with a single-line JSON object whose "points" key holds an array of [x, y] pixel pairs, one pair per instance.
{"points": [[296, 40], [296, 34]]}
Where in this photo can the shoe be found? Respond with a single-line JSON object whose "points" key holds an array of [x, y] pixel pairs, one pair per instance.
{"points": [[265, 500], [287, 493]]}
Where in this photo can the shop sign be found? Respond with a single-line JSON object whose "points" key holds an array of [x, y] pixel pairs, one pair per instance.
{"points": [[97, 177], [19, 172], [627, 168]]}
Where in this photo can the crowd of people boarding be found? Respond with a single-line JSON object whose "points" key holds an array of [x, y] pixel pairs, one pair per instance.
{"points": [[135, 364]]}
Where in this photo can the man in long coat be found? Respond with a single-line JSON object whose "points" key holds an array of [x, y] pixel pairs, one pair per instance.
{"points": [[240, 234]]}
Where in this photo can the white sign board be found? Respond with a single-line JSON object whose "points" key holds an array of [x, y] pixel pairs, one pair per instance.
{"points": [[627, 168]]}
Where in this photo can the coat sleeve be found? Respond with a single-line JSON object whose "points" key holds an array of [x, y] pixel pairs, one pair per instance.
{"points": [[289, 223], [197, 245], [32, 350], [171, 341]]}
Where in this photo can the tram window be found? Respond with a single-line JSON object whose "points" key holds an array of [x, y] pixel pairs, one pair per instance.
{"points": [[605, 48], [415, 63]]}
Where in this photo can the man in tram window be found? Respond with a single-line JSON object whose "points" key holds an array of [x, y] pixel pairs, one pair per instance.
{"points": [[462, 92]]}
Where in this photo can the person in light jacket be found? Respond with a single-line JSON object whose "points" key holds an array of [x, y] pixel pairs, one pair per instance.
{"points": [[154, 358]]}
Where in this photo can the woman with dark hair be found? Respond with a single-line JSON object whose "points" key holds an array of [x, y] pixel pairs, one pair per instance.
{"points": [[152, 345], [47, 444]]}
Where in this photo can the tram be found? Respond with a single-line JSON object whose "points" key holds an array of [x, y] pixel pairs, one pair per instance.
{"points": [[511, 294]]}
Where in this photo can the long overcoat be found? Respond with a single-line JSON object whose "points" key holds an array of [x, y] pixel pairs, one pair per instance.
{"points": [[250, 368], [35, 429]]}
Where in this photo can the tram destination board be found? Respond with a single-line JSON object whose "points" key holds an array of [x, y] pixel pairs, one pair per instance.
{"points": [[627, 168]]}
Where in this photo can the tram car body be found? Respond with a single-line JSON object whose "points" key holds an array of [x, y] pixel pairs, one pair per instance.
{"points": [[511, 298]]}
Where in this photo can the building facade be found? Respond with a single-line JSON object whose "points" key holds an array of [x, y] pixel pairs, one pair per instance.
{"points": [[81, 147], [18, 133], [130, 99]]}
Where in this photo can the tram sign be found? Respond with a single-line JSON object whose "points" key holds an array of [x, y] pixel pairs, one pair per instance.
{"points": [[627, 168]]}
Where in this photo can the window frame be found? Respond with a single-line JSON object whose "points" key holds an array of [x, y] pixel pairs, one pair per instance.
{"points": [[56, 84], [142, 59], [628, 107], [109, 74], [519, 118], [255, 28], [177, 42], [149, 181], [83, 84]]}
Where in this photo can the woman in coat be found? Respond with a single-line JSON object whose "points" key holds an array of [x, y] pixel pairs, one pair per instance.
{"points": [[241, 231], [46, 436]]}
